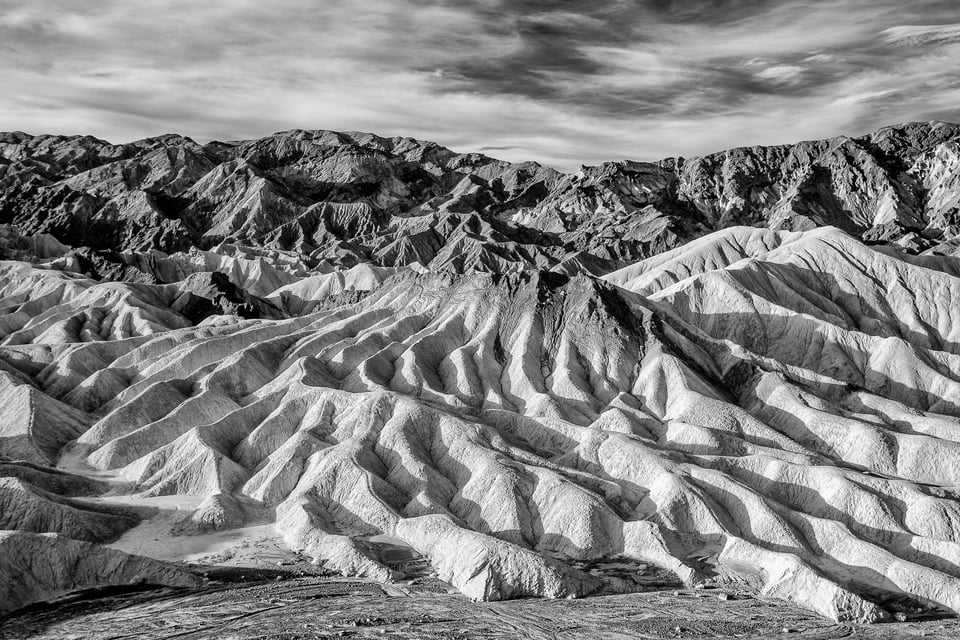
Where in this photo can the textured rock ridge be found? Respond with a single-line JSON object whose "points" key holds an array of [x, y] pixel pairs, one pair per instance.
{"points": [[378, 344], [344, 198], [511, 427]]}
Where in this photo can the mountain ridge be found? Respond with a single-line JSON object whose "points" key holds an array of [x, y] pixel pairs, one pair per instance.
{"points": [[347, 197], [443, 364]]}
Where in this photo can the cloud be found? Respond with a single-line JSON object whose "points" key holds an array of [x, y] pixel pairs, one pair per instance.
{"points": [[915, 36], [527, 79], [781, 73]]}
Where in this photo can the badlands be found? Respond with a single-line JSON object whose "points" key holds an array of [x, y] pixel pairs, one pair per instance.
{"points": [[380, 359]]}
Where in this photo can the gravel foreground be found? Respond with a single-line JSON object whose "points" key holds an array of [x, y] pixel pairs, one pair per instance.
{"points": [[275, 605]]}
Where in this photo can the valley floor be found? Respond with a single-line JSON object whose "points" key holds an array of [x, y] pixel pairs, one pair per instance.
{"points": [[280, 604]]}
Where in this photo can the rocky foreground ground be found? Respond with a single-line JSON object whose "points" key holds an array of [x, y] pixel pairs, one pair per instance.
{"points": [[309, 608]]}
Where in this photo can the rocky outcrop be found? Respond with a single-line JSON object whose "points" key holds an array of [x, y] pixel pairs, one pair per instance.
{"points": [[892, 185], [216, 513], [336, 197], [347, 198]]}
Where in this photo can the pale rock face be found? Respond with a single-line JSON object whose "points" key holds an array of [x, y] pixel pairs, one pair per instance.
{"points": [[216, 513], [34, 426], [372, 351], [505, 427]]}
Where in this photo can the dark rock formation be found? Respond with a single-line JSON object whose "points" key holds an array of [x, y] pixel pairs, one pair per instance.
{"points": [[351, 197]]}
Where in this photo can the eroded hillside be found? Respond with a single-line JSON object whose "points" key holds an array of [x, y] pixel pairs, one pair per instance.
{"points": [[343, 198], [444, 364]]}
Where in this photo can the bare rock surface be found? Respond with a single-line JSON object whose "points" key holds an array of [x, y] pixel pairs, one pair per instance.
{"points": [[216, 513], [379, 358], [345, 198]]}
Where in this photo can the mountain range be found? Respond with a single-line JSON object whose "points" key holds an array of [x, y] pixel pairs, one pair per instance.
{"points": [[736, 370]]}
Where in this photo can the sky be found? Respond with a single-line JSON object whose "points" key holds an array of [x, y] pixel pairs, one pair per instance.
{"points": [[560, 82]]}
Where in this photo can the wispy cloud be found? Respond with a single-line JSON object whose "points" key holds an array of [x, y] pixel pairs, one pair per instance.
{"points": [[918, 35], [522, 79], [781, 73]]}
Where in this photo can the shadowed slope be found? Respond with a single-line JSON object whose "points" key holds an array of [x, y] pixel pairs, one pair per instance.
{"points": [[42, 567]]}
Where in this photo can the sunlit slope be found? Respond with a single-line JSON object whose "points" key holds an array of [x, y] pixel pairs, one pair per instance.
{"points": [[773, 409], [826, 310]]}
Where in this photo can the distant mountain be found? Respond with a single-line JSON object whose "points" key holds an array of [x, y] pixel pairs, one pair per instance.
{"points": [[345, 198]]}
